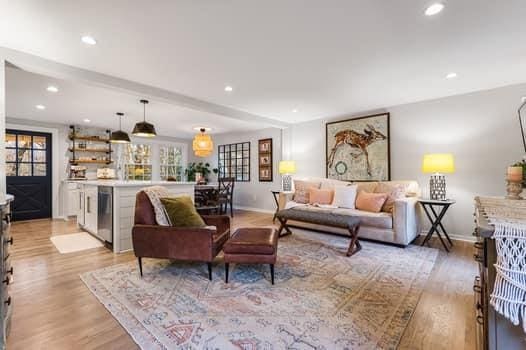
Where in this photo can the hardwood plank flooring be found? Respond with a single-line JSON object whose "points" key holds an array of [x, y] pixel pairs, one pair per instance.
{"points": [[54, 310]]}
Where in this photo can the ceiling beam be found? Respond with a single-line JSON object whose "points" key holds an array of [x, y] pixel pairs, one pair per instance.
{"points": [[39, 65]]}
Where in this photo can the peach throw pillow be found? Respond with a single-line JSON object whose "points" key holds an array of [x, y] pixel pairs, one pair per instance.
{"points": [[372, 202], [301, 194], [320, 196]]}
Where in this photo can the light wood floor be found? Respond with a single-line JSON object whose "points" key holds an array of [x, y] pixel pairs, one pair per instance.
{"points": [[54, 310]]}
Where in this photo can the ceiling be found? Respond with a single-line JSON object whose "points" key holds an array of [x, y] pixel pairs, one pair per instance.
{"points": [[75, 102], [323, 58]]}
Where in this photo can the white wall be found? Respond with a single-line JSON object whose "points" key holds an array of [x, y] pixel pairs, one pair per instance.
{"points": [[253, 194], [2, 128], [481, 129]]}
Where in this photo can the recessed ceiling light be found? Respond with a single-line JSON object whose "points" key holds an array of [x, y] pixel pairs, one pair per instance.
{"points": [[87, 120], [434, 9], [89, 40], [52, 88], [294, 111], [229, 88], [451, 75], [41, 107]]}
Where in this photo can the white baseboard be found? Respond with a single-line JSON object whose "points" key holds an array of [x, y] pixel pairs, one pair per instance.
{"points": [[455, 237], [259, 210]]}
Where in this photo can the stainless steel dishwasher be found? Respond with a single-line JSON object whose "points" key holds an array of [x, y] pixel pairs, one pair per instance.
{"points": [[105, 214]]}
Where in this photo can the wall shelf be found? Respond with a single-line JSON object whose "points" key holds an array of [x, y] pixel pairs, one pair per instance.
{"points": [[90, 150], [74, 149], [78, 161]]}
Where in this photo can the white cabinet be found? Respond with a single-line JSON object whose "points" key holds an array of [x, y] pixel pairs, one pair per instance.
{"points": [[73, 201], [90, 208]]}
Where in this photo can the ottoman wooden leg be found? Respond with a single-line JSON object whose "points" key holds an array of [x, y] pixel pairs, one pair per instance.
{"points": [[354, 246], [209, 271], [272, 273], [227, 265]]}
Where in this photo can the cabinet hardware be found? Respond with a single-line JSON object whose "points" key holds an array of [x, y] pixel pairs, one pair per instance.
{"points": [[480, 319], [8, 241], [6, 281], [10, 271], [8, 301]]}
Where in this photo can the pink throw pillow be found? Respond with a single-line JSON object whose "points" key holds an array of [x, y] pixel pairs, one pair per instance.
{"points": [[301, 194], [372, 202], [320, 196]]}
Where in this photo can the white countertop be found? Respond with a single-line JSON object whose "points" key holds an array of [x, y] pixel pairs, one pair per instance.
{"points": [[121, 183], [6, 199]]}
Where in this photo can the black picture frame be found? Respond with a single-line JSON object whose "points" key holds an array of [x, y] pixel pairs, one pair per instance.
{"points": [[363, 132], [265, 160]]}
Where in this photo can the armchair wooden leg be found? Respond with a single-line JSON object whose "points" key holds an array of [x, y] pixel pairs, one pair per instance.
{"points": [[227, 266], [272, 273], [209, 270], [140, 265]]}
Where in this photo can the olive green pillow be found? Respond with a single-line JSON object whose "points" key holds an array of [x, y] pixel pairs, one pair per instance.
{"points": [[181, 212]]}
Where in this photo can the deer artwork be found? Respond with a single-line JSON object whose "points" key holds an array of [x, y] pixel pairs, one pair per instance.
{"points": [[357, 141]]}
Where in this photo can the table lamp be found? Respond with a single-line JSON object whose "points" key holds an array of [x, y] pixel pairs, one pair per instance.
{"points": [[438, 164], [286, 168]]}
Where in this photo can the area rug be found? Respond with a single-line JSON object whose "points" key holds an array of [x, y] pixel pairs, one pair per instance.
{"points": [[75, 242], [321, 300]]}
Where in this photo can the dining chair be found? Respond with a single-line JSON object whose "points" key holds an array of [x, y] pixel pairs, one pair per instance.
{"points": [[225, 196]]}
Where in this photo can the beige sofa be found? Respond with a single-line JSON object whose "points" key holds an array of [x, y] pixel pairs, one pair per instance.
{"points": [[400, 227]]}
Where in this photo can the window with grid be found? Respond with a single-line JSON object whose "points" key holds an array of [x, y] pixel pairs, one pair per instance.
{"points": [[171, 163], [234, 161], [26, 155], [138, 162]]}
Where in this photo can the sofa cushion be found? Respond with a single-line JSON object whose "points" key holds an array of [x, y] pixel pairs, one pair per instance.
{"points": [[394, 191], [378, 220], [372, 202], [345, 196], [301, 194], [317, 196], [366, 186]]}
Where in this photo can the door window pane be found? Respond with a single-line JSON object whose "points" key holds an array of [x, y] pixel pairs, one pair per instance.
{"points": [[10, 140], [24, 169], [10, 169], [39, 156], [10, 155], [39, 169], [39, 142], [24, 141], [24, 155]]}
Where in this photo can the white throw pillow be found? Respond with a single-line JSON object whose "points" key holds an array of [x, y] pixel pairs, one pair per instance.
{"points": [[345, 196]]}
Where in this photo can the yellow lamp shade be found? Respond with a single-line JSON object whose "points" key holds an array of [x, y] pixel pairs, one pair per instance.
{"points": [[438, 163], [202, 144], [287, 167]]}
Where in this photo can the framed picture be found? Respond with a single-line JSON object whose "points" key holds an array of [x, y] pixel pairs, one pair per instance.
{"points": [[265, 160], [357, 149]]}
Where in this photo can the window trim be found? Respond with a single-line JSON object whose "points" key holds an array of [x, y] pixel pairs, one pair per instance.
{"points": [[233, 170]]}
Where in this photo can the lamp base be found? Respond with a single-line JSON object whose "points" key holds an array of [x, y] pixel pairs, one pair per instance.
{"points": [[437, 187], [287, 183]]}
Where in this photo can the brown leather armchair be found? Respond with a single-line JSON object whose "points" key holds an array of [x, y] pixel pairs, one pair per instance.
{"points": [[179, 243]]}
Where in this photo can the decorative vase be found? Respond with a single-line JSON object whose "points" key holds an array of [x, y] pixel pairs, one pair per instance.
{"points": [[514, 189]]}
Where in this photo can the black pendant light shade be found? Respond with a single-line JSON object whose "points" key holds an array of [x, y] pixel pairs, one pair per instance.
{"points": [[119, 136], [144, 129]]}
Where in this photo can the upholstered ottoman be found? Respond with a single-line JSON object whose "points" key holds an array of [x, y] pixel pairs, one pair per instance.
{"points": [[252, 245]]}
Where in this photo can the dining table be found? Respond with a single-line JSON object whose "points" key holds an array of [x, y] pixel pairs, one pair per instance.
{"points": [[206, 195]]}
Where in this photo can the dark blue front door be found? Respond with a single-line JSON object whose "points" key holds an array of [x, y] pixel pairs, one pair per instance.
{"points": [[28, 173]]}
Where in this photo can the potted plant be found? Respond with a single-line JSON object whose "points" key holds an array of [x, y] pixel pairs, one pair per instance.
{"points": [[199, 172]]}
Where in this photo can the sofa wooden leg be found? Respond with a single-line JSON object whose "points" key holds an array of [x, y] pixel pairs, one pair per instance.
{"points": [[209, 270], [226, 272], [282, 227], [272, 273], [354, 245], [140, 265]]}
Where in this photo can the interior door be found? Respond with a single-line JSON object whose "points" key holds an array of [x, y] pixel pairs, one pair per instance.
{"points": [[28, 173]]}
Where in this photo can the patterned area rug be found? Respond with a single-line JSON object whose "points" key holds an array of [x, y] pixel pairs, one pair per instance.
{"points": [[321, 299]]}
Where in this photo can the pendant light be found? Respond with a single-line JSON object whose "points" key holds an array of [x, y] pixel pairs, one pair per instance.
{"points": [[119, 136], [202, 144], [144, 129]]}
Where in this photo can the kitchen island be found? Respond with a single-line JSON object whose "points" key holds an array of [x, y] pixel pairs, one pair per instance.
{"points": [[105, 208]]}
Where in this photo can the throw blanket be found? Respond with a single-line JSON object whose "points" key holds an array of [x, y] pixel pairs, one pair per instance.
{"points": [[509, 293], [155, 193]]}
